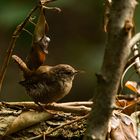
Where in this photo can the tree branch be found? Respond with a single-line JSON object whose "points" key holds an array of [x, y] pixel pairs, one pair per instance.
{"points": [[80, 108], [15, 35]]}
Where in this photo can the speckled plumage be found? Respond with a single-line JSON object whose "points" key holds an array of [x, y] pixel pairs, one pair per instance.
{"points": [[49, 84]]}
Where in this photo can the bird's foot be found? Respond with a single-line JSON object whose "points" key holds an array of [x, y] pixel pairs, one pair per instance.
{"points": [[41, 107]]}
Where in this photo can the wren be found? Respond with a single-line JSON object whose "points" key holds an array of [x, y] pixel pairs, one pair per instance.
{"points": [[48, 83]]}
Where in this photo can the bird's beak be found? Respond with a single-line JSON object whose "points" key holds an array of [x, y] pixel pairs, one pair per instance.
{"points": [[78, 71]]}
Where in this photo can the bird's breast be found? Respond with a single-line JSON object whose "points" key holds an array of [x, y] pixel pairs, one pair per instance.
{"points": [[61, 89], [45, 92]]}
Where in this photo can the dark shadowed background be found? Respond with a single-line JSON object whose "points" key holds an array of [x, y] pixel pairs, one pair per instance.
{"points": [[77, 38]]}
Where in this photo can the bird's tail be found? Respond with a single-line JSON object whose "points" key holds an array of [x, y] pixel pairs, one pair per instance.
{"points": [[22, 65]]}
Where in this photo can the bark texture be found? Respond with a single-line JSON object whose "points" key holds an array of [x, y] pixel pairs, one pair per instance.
{"points": [[120, 28]]}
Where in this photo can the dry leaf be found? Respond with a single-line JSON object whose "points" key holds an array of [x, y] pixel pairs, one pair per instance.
{"points": [[136, 119], [122, 103], [41, 27], [12, 123], [121, 127], [130, 108], [134, 86], [37, 55]]}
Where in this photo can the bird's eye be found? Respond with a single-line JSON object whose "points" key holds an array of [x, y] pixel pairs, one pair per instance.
{"points": [[68, 72]]}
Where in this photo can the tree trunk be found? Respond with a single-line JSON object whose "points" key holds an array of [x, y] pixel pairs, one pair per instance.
{"points": [[120, 28]]}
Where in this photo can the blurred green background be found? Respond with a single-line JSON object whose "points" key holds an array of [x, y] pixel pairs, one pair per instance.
{"points": [[77, 38]]}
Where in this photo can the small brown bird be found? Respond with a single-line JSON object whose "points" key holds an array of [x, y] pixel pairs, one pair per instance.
{"points": [[48, 83]]}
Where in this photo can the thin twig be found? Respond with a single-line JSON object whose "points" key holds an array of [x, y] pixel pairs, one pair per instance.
{"points": [[126, 97], [131, 60], [15, 35], [44, 2], [80, 110], [135, 52], [124, 73], [58, 127], [32, 23], [8, 113], [134, 40], [134, 60], [31, 20], [69, 109], [129, 109], [134, 47], [28, 32], [52, 8], [82, 103]]}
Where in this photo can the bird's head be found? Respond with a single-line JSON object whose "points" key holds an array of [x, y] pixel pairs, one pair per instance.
{"points": [[63, 71]]}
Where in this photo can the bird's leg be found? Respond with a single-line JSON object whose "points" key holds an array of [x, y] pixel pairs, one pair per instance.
{"points": [[42, 108]]}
